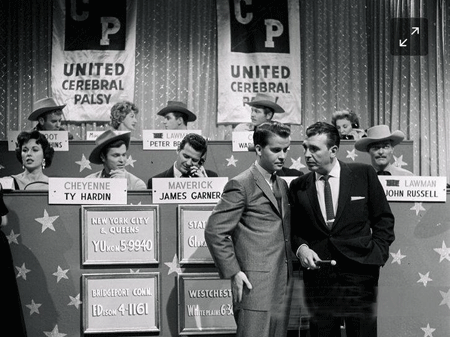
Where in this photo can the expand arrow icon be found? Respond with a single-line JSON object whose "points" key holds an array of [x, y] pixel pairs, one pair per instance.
{"points": [[403, 43], [416, 30]]}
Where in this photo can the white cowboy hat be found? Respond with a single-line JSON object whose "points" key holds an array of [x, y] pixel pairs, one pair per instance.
{"points": [[103, 140], [42, 106], [377, 134]]}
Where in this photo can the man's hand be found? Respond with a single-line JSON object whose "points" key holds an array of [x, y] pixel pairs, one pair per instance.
{"points": [[197, 172], [308, 257], [117, 173], [237, 285]]}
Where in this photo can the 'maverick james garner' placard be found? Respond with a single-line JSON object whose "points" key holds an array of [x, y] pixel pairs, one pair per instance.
{"points": [[120, 234], [121, 302]]}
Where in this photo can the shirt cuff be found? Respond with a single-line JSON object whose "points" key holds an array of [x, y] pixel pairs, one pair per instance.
{"points": [[298, 250]]}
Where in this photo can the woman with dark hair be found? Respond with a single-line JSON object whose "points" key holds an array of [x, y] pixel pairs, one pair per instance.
{"points": [[35, 153]]}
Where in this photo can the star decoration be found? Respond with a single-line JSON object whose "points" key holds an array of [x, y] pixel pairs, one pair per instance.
{"points": [[443, 251], [397, 257], [130, 161], [55, 332], [138, 204], [84, 163], [174, 266], [417, 207], [424, 279], [135, 272], [34, 307], [231, 161], [297, 164], [75, 301], [60, 274], [22, 271], [47, 221], [399, 161], [13, 237], [428, 331], [351, 154], [445, 298]]}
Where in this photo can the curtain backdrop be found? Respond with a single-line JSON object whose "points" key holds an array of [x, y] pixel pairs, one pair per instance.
{"points": [[345, 58]]}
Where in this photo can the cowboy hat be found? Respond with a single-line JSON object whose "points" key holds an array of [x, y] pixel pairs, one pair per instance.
{"points": [[105, 139], [42, 106], [175, 106], [265, 101], [379, 133]]}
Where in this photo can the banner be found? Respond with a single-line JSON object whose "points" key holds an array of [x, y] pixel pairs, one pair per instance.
{"points": [[258, 52], [93, 56]]}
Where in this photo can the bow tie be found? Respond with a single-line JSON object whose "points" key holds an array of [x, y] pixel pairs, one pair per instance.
{"points": [[384, 173]]}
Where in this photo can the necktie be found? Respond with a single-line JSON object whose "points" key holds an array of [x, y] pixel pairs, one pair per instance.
{"points": [[384, 173], [328, 200], [276, 190]]}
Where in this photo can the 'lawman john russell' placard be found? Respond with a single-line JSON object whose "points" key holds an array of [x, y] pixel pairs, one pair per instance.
{"points": [[121, 302], [120, 234]]}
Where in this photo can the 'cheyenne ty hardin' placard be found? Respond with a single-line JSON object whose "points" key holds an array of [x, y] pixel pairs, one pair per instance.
{"points": [[191, 233], [121, 302], [95, 191], [205, 304], [59, 140], [414, 188], [188, 190], [164, 139], [241, 140], [120, 234]]}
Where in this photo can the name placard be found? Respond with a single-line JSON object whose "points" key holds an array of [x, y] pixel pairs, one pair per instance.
{"points": [[188, 190], [96, 191], [7, 183], [414, 188], [205, 304], [120, 234], [121, 302], [241, 140], [59, 140], [92, 135], [191, 234], [164, 139]]}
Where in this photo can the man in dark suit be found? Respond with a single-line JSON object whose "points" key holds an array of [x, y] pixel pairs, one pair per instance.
{"points": [[339, 212], [248, 235], [191, 154]]}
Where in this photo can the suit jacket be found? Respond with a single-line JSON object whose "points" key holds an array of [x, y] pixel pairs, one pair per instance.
{"points": [[169, 173], [247, 232], [364, 224]]}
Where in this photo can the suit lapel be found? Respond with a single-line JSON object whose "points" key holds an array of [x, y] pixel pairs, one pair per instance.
{"points": [[264, 186], [311, 190], [345, 186]]}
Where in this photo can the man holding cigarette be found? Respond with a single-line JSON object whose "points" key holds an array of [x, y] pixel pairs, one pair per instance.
{"points": [[342, 227]]}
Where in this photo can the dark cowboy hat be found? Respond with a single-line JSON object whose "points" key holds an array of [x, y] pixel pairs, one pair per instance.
{"points": [[105, 139], [379, 133], [265, 101], [175, 106], [42, 106]]}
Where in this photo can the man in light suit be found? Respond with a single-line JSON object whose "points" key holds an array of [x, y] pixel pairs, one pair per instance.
{"points": [[248, 235], [351, 223]]}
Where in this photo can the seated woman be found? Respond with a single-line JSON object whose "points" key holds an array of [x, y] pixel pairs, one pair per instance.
{"points": [[35, 154], [347, 123], [123, 116], [111, 152]]}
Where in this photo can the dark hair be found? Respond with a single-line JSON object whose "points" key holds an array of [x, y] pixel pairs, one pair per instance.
{"points": [[25, 136], [267, 129], [197, 142], [120, 110], [115, 144], [318, 128], [178, 114], [345, 114]]}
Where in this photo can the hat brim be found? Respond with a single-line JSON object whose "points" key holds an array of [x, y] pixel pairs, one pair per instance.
{"points": [[35, 114], [396, 138], [262, 104], [94, 157], [167, 109]]}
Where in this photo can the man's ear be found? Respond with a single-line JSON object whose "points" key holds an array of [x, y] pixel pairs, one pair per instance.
{"points": [[258, 149], [41, 120], [102, 157], [334, 150]]}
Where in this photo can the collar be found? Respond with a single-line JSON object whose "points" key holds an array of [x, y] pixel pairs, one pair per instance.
{"points": [[176, 173], [267, 175], [335, 171]]}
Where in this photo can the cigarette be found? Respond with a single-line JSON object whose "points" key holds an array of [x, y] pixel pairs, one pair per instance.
{"points": [[332, 262]]}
